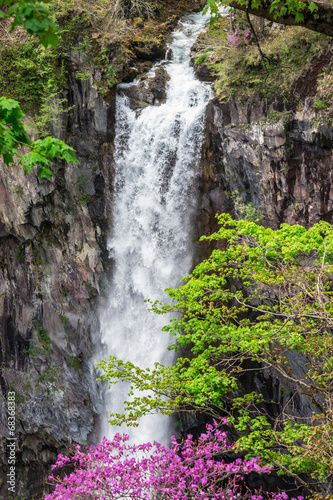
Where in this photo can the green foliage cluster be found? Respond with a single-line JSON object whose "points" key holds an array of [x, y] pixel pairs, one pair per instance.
{"points": [[64, 320], [75, 363], [43, 334], [64, 291], [92, 291], [279, 8], [36, 20], [32, 350], [265, 298], [33, 16], [13, 136]]}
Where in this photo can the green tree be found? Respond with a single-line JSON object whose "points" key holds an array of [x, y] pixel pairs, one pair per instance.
{"points": [[256, 305], [35, 19]]}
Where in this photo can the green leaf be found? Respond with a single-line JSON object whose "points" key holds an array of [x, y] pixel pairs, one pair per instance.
{"points": [[312, 7], [50, 39], [299, 17], [8, 158], [44, 173]]}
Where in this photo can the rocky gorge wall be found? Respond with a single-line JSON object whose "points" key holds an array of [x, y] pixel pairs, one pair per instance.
{"points": [[53, 261], [271, 153], [283, 167]]}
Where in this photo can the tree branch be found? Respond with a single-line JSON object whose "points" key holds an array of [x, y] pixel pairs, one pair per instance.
{"points": [[320, 21]]}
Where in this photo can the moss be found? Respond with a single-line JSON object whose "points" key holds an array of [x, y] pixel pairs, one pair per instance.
{"points": [[75, 363], [64, 291], [64, 320], [92, 291], [19, 398], [45, 339], [28, 72], [85, 198]]}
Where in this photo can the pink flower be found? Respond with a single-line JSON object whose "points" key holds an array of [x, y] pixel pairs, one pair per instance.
{"points": [[115, 469]]}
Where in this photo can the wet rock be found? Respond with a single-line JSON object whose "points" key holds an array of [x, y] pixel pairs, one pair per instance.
{"points": [[203, 73], [150, 49], [150, 91]]}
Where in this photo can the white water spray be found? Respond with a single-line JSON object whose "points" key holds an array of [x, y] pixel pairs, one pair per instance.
{"points": [[156, 160]]}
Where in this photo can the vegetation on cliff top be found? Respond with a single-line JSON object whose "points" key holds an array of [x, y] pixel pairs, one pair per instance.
{"points": [[239, 69], [36, 20], [107, 33]]}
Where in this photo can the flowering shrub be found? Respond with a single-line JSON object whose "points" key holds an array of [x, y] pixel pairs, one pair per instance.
{"points": [[234, 38], [191, 470]]}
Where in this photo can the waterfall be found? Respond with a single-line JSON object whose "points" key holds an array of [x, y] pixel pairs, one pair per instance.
{"points": [[157, 153]]}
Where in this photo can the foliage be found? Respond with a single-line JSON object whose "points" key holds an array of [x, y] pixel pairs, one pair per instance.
{"points": [[13, 136], [116, 469], [43, 335], [51, 110], [34, 17], [29, 73], [279, 8], [75, 363], [256, 304]]}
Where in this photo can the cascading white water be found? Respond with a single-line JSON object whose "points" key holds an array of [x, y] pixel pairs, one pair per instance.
{"points": [[156, 160]]}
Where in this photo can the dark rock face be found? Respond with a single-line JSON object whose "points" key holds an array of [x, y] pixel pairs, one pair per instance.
{"points": [[282, 166], [53, 263], [53, 260], [203, 73]]}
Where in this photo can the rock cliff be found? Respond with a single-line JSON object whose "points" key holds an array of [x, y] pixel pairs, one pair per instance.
{"points": [[53, 258], [282, 166], [271, 156]]}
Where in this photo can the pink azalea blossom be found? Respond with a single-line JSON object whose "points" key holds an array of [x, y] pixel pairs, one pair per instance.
{"points": [[192, 470]]}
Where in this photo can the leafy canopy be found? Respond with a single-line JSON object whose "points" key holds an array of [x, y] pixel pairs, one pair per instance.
{"points": [[13, 136], [35, 19], [278, 8], [251, 307]]}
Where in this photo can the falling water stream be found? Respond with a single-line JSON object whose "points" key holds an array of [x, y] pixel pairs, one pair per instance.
{"points": [[157, 153]]}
